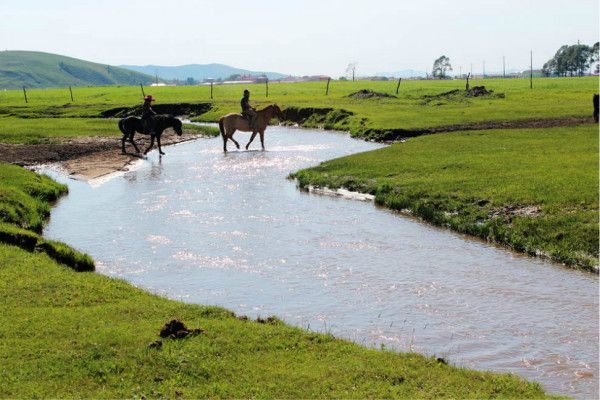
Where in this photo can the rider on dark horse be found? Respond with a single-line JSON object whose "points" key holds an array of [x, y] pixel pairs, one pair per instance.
{"points": [[248, 111], [148, 115]]}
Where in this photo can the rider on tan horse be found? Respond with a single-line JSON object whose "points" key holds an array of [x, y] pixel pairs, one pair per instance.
{"points": [[229, 123], [247, 110]]}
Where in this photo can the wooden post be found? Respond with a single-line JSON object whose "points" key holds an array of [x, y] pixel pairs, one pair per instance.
{"points": [[531, 70], [468, 76], [142, 87], [327, 89], [398, 86], [71, 91], [211, 90], [267, 86], [25, 94]]}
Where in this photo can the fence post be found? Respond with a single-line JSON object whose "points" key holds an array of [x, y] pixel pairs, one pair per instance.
{"points": [[327, 90], [142, 87], [398, 87], [468, 76], [25, 94], [211, 90], [267, 85], [71, 91]]}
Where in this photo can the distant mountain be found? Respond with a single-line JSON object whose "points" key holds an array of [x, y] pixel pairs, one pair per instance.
{"points": [[197, 71], [406, 73], [40, 70]]}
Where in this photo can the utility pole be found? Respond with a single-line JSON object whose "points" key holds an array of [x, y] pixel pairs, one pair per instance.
{"points": [[503, 67], [483, 69], [460, 72], [531, 69], [471, 72]]}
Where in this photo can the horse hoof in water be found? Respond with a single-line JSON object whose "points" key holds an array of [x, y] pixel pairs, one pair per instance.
{"points": [[162, 153]]}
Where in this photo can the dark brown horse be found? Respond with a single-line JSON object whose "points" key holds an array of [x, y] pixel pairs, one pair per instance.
{"points": [[229, 123], [130, 125]]}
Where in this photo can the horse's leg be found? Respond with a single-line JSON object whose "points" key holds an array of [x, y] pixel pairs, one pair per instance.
{"points": [[230, 136], [151, 144], [137, 150], [159, 148], [262, 139], [251, 139], [123, 143]]}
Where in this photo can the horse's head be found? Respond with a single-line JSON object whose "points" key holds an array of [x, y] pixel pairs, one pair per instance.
{"points": [[177, 126], [277, 111]]}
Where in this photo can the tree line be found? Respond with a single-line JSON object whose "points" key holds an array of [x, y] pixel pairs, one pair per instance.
{"points": [[572, 60]]}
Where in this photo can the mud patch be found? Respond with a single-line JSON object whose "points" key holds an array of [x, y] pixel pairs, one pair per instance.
{"points": [[176, 329], [510, 211], [86, 157], [177, 109], [369, 94], [458, 95]]}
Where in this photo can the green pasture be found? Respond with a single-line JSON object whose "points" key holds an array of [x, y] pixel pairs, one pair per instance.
{"points": [[550, 98], [535, 190]]}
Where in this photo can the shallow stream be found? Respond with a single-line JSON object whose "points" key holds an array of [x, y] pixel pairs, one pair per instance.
{"points": [[230, 230]]}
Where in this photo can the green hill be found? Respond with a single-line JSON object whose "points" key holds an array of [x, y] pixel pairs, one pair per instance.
{"points": [[38, 70]]}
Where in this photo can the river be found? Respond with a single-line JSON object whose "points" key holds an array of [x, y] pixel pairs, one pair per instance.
{"points": [[229, 229]]}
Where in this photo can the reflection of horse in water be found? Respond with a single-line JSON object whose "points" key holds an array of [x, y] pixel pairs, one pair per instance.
{"points": [[229, 123], [130, 125]]}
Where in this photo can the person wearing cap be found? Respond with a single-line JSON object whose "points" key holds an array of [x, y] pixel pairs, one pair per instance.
{"points": [[248, 111], [147, 114]]}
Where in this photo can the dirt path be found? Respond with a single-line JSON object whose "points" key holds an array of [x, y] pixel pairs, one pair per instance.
{"points": [[88, 157]]}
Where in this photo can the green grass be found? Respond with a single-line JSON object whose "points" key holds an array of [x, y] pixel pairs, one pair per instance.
{"points": [[25, 197], [68, 334], [469, 181], [202, 129], [37, 69], [550, 98]]}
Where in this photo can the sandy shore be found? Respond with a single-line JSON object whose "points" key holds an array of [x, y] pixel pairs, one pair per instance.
{"points": [[88, 157]]}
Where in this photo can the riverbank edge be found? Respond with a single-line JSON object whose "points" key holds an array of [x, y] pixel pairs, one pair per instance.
{"points": [[343, 192], [504, 380]]}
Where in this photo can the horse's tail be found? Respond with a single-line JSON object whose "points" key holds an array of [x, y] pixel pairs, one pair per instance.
{"points": [[221, 127]]}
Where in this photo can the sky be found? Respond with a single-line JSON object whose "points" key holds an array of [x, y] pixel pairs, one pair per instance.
{"points": [[302, 37]]}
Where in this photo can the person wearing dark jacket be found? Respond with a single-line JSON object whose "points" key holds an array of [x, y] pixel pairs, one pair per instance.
{"points": [[247, 110], [148, 114]]}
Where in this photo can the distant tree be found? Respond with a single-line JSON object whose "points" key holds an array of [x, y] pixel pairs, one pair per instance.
{"points": [[342, 78], [595, 57], [233, 77], [571, 60], [440, 67], [190, 81], [351, 70]]}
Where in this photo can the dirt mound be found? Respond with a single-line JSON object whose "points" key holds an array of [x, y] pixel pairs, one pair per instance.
{"points": [[369, 94], [176, 329], [460, 95], [176, 109]]}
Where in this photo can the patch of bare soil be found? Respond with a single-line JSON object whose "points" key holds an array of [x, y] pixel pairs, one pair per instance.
{"points": [[510, 211], [369, 94], [176, 329], [461, 95], [86, 157]]}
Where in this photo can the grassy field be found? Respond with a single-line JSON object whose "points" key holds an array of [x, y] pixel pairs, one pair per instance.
{"points": [[535, 190], [550, 98], [78, 334]]}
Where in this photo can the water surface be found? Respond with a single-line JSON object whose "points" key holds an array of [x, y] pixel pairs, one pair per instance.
{"points": [[230, 230]]}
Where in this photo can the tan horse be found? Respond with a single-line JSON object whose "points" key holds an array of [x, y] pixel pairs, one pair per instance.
{"points": [[229, 123]]}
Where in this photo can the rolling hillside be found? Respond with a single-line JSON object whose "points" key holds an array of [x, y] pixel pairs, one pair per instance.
{"points": [[39, 70], [197, 71]]}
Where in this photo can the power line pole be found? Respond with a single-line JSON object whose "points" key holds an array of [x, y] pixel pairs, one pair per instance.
{"points": [[503, 67], [531, 69], [483, 69]]}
